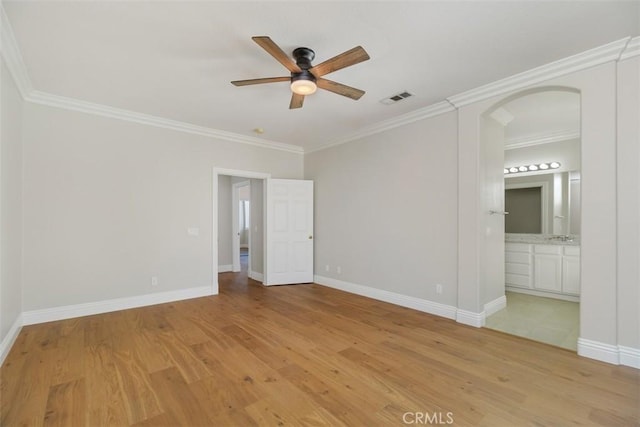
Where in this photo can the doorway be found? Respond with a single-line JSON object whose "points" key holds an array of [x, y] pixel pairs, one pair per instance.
{"points": [[281, 233], [241, 217], [541, 136], [224, 218]]}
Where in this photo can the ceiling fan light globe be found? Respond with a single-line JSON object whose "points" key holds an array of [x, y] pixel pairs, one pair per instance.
{"points": [[303, 87]]}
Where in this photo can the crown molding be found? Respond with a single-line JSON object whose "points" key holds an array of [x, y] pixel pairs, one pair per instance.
{"points": [[12, 57], [631, 49], [529, 141], [413, 116], [50, 100], [590, 58]]}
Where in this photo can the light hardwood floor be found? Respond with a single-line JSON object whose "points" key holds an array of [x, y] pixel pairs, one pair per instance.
{"points": [[299, 355]]}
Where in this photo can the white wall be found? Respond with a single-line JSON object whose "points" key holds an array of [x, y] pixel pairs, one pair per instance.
{"points": [[107, 204], [225, 225], [10, 208], [628, 196], [385, 210], [492, 199]]}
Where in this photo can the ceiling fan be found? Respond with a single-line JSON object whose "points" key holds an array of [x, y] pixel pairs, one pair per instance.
{"points": [[305, 78]]}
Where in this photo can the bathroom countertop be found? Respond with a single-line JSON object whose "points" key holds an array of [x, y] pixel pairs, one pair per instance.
{"points": [[541, 239]]}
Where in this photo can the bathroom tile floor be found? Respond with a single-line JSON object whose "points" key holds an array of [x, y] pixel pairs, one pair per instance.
{"points": [[547, 320]]}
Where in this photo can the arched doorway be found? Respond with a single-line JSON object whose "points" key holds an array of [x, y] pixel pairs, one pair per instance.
{"points": [[531, 174]]}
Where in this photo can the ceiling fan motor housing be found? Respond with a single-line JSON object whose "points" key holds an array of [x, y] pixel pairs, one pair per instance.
{"points": [[303, 57]]}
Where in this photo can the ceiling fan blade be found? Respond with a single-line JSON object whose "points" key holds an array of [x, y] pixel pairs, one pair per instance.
{"points": [[274, 50], [260, 81], [340, 89], [345, 59], [296, 101]]}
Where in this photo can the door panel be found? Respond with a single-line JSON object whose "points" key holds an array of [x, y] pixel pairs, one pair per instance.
{"points": [[289, 228]]}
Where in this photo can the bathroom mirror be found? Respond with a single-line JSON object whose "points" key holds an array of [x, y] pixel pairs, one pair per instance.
{"points": [[543, 203]]}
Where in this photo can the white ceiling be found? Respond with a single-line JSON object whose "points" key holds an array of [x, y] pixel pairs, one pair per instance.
{"points": [[175, 59]]}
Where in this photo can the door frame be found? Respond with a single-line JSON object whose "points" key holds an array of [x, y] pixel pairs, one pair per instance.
{"points": [[214, 223]]}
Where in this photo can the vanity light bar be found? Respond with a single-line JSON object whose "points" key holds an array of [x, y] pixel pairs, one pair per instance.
{"points": [[532, 168]]}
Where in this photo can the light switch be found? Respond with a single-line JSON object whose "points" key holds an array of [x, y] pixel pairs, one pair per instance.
{"points": [[193, 231]]}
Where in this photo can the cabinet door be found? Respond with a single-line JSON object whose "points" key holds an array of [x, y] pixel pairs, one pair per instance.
{"points": [[571, 275], [548, 272]]}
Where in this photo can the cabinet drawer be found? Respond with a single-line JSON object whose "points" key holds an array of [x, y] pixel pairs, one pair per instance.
{"points": [[517, 247], [572, 250], [548, 249], [523, 269], [517, 280], [517, 257]]}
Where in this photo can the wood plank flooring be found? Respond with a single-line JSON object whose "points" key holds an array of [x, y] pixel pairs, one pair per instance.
{"points": [[299, 355]]}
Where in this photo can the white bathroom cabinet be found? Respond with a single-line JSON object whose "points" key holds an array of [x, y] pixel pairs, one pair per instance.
{"points": [[541, 269]]}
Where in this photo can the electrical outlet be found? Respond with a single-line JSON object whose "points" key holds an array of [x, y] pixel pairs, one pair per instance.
{"points": [[154, 281], [326, 267], [338, 269], [439, 289]]}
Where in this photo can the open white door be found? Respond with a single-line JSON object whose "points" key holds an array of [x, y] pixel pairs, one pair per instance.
{"points": [[289, 227]]}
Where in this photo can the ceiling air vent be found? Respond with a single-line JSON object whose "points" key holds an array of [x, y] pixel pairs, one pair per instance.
{"points": [[396, 98]]}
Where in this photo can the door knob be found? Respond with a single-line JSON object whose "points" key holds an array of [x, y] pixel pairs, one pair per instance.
{"points": [[310, 237]]}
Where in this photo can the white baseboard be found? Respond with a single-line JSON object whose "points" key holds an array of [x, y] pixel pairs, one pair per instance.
{"points": [[598, 351], [259, 277], [10, 338], [90, 308], [225, 268], [470, 318], [609, 353], [494, 306], [391, 297], [629, 356]]}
